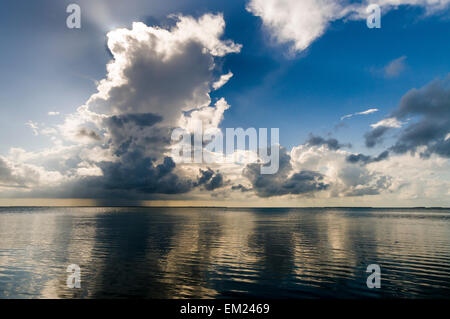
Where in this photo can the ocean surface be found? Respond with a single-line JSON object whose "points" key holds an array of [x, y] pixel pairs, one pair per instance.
{"points": [[224, 252]]}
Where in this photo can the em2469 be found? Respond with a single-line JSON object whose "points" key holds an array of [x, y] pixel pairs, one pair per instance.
{"points": [[246, 308]]}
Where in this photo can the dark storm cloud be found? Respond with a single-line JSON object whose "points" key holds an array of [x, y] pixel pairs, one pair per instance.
{"points": [[431, 105], [137, 131], [331, 143], [137, 145], [210, 180], [285, 181], [365, 159], [134, 176], [431, 101], [375, 136], [137, 172], [144, 119], [428, 110]]}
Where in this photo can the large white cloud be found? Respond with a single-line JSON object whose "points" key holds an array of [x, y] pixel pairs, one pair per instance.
{"points": [[301, 22], [118, 141]]}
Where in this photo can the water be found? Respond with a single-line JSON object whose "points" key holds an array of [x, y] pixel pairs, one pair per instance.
{"points": [[224, 253]]}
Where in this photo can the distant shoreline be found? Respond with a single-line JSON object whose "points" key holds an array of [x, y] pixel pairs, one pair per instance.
{"points": [[229, 207]]}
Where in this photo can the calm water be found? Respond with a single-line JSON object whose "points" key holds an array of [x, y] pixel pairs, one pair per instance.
{"points": [[228, 253]]}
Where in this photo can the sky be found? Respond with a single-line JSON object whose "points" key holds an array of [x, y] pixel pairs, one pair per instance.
{"points": [[86, 114]]}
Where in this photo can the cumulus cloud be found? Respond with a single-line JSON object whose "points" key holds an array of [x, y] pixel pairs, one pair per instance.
{"points": [[344, 178], [7, 177], [209, 117], [118, 142], [300, 23], [285, 181], [17, 176]]}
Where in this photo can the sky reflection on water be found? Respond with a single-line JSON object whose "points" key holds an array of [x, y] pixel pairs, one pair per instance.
{"points": [[220, 253]]}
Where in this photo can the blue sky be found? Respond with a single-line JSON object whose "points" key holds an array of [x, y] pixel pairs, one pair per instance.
{"points": [[303, 94], [47, 67]]}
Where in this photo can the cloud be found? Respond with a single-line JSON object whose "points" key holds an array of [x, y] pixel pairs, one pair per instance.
{"points": [[178, 64], [389, 122], [224, 78], [210, 180], [380, 128], [7, 177], [395, 67], [343, 177], [117, 143], [331, 143], [361, 158], [34, 127], [19, 177], [88, 134], [209, 116], [369, 111], [375, 136], [300, 23], [428, 110], [53, 113], [296, 22], [240, 187], [143, 119], [285, 181]]}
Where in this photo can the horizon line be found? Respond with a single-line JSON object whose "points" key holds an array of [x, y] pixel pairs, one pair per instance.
{"points": [[228, 207]]}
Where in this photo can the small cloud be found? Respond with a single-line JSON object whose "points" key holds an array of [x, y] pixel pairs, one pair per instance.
{"points": [[210, 180], [224, 78], [395, 67], [34, 127], [241, 188], [389, 122], [369, 111], [49, 131], [447, 137], [53, 113], [365, 159], [331, 143], [88, 134]]}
